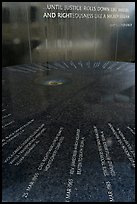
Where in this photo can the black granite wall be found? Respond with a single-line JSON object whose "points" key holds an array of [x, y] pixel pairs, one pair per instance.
{"points": [[106, 34]]}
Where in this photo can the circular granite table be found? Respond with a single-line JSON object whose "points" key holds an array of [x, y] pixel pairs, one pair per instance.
{"points": [[68, 132]]}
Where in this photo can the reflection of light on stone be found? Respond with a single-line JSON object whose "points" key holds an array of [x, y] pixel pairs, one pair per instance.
{"points": [[109, 141], [62, 44], [16, 41], [54, 82]]}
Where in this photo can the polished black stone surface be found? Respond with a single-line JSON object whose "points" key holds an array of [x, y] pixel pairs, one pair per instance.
{"points": [[68, 132]]}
